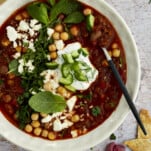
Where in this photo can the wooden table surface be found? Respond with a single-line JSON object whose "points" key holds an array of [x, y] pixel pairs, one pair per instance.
{"points": [[137, 14]]}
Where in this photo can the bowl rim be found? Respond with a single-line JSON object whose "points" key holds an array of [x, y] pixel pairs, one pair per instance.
{"points": [[92, 138]]}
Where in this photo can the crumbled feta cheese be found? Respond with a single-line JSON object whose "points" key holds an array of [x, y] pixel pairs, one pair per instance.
{"points": [[21, 66], [57, 126], [46, 119], [31, 46], [59, 44], [11, 33], [74, 133], [21, 61], [24, 37], [23, 26], [48, 57], [54, 84], [50, 31], [66, 124], [19, 35], [31, 32], [30, 66], [25, 41], [14, 44], [51, 86], [51, 75], [33, 22], [71, 103], [37, 27], [17, 55]]}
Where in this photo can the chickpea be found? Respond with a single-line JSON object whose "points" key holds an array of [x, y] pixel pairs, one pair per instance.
{"points": [[56, 35], [10, 82], [74, 30], [47, 86], [18, 17], [37, 131], [116, 52], [110, 53], [15, 116], [59, 28], [7, 98], [84, 131], [5, 42], [35, 116], [43, 114], [53, 55], [51, 135], [75, 118], [25, 14], [28, 128], [11, 76], [87, 11], [18, 48], [64, 92], [105, 63], [44, 133], [9, 108], [35, 124], [114, 45], [52, 47], [64, 36]]}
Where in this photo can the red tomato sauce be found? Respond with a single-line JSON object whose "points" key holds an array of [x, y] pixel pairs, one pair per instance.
{"points": [[103, 93]]}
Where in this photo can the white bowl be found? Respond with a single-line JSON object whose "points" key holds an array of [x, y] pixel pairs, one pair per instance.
{"points": [[103, 131]]}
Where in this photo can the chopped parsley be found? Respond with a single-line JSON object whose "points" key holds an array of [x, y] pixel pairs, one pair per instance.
{"points": [[96, 111]]}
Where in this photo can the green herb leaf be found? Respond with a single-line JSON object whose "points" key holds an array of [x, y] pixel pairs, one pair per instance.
{"points": [[23, 115], [112, 137], [75, 17], [96, 111], [64, 6], [13, 66], [52, 2], [47, 102], [85, 96], [39, 11]]}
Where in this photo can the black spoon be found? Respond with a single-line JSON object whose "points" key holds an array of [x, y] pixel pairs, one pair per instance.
{"points": [[124, 90]]}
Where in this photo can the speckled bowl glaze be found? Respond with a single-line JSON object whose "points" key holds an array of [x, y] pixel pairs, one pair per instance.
{"points": [[103, 131]]}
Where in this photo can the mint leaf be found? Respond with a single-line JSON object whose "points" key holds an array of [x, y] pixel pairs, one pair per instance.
{"points": [[47, 102], [75, 17], [64, 6], [39, 11], [13, 66]]}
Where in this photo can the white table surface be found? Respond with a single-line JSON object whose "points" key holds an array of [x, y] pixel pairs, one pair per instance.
{"points": [[137, 14]]}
